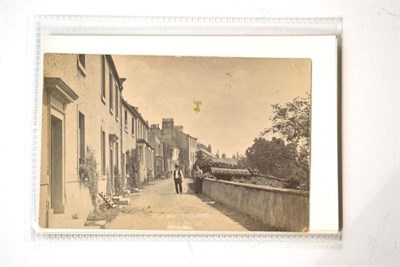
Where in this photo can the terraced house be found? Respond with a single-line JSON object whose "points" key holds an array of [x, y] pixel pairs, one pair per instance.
{"points": [[144, 150], [84, 116], [129, 140]]}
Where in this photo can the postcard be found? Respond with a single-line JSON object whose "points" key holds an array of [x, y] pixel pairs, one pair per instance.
{"points": [[178, 134]]}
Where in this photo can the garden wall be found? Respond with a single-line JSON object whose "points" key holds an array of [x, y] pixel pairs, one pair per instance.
{"points": [[281, 209]]}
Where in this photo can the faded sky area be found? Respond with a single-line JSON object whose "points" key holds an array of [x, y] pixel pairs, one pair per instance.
{"points": [[236, 93]]}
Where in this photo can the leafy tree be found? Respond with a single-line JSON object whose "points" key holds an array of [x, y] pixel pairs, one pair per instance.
{"points": [[291, 121], [272, 157], [223, 156], [243, 162]]}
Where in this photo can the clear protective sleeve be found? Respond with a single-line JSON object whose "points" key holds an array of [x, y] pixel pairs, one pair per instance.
{"points": [[43, 26]]}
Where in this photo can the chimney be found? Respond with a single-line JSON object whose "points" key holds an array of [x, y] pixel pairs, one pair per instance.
{"points": [[167, 123], [155, 128]]}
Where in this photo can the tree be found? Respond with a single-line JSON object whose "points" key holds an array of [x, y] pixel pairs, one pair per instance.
{"points": [[243, 162], [291, 121], [223, 156], [272, 157]]}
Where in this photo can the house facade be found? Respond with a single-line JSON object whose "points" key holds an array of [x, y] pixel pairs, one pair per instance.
{"points": [[85, 119], [145, 152], [179, 144], [81, 114], [129, 134], [157, 143]]}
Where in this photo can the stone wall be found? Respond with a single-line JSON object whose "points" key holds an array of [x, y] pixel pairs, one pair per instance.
{"points": [[281, 209]]}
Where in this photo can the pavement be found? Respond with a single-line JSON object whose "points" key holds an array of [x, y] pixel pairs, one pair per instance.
{"points": [[158, 207]]}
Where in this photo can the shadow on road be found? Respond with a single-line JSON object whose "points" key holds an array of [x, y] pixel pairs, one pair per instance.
{"points": [[242, 219]]}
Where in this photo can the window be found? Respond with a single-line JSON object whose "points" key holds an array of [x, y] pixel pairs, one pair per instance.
{"points": [[103, 79], [103, 153], [116, 157], [140, 154], [126, 120], [123, 164], [133, 126], [81, 140], [110, 84], [126, 163], [81, 58], [116, 102], [82, 64]]}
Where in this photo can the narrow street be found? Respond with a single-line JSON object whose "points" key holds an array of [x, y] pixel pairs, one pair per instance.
{"points": [[158, 207]]}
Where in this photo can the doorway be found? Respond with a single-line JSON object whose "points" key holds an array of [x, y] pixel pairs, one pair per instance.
{"points": [[57, 161]]}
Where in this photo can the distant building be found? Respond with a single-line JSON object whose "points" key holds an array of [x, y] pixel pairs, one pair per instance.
{"points": [[204, 147], [157, 143], [205, 153], [176, 141]]}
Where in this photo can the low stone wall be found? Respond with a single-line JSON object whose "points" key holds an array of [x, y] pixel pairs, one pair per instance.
{"points": [[281, 209]]}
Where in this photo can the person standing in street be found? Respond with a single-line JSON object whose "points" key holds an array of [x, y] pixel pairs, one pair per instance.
{"points": [[198, 176], [178, 179]]}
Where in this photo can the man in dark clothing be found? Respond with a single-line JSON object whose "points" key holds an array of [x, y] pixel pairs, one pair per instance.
{"points": [[178, 179]]}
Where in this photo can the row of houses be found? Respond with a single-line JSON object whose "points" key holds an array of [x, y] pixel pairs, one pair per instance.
{"points": [[176, 147], [85, 115]]}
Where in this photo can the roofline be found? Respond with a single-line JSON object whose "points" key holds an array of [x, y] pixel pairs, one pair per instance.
{"points": [[137, 113], [185, 133], [130, 108], [114, 70]]}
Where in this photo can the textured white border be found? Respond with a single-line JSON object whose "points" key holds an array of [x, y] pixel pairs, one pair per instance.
{"points": [[322, 50]]}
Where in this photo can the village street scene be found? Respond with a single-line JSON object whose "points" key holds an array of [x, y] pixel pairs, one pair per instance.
{"points": [[126, 145]]}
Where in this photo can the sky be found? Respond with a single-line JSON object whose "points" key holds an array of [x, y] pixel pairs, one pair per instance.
{"points": [[236, 94]]}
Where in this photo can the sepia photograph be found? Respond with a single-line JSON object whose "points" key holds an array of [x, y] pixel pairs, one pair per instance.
{"points": [[175, 143]]}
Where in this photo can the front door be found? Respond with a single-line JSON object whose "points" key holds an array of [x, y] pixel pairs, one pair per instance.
{"points": [[57, 161]]}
